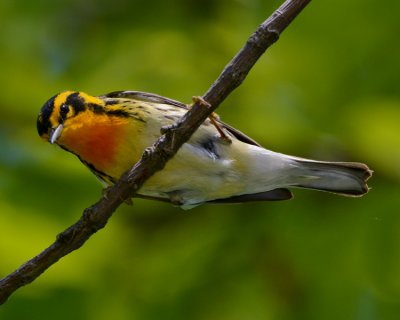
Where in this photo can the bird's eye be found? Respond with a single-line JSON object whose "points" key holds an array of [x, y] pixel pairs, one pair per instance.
{"points": [[64, 109]]}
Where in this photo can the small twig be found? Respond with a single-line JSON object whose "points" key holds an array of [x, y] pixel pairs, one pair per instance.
{"points": [[155, 157]]}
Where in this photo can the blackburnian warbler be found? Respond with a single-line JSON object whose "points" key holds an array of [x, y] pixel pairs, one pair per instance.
{"points": [[109, 133]]}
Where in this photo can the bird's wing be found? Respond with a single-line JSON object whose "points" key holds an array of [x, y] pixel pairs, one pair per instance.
{"points": [[155, 98], [146, 97], [277, 194]]}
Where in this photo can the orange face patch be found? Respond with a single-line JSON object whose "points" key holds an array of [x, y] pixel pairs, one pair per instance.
{"points": [[95, 138]]}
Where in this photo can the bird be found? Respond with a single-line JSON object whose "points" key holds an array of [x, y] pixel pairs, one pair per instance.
{"points": [[218, 164]]}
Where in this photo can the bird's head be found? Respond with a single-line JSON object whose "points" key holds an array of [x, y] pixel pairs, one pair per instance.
{"points": [[59, 112]]}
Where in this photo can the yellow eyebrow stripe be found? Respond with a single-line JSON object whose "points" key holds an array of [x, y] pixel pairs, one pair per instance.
{"points": [[58, 101], [90, 99], [61, 98]]}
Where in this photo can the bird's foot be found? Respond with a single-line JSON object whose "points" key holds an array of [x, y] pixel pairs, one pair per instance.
{"points": [[213, 119]]}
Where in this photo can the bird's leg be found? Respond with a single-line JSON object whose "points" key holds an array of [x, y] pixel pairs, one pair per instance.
{"points": [[213, 118], [221, 132]]}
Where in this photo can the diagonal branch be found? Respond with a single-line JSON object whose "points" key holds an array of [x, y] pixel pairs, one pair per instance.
{"points": [[155, 157]]}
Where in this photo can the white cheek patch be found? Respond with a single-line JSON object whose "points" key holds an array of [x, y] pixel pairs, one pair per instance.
{"points": [[55, 134]]}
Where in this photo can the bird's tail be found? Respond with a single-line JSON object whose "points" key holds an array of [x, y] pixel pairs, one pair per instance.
{"points": [[346, 178]]}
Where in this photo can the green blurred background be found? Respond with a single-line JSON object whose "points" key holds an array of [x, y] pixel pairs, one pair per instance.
{"points": [[329, 89]]}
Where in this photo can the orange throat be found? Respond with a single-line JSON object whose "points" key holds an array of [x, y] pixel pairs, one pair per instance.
{"points": [[96, 141]]}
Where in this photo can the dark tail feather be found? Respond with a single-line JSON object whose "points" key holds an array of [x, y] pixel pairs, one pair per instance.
{"points": [[272, 195], [346, 178]]}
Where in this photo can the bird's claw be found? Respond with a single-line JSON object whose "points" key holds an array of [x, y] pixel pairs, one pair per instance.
{"points": [[200, 100], [213, 119]]}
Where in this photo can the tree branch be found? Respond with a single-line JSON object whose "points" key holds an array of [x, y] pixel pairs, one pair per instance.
{"points": [[155, 157]]}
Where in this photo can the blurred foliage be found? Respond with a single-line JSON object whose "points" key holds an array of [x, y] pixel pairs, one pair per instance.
{"points": [[328, 89]]}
